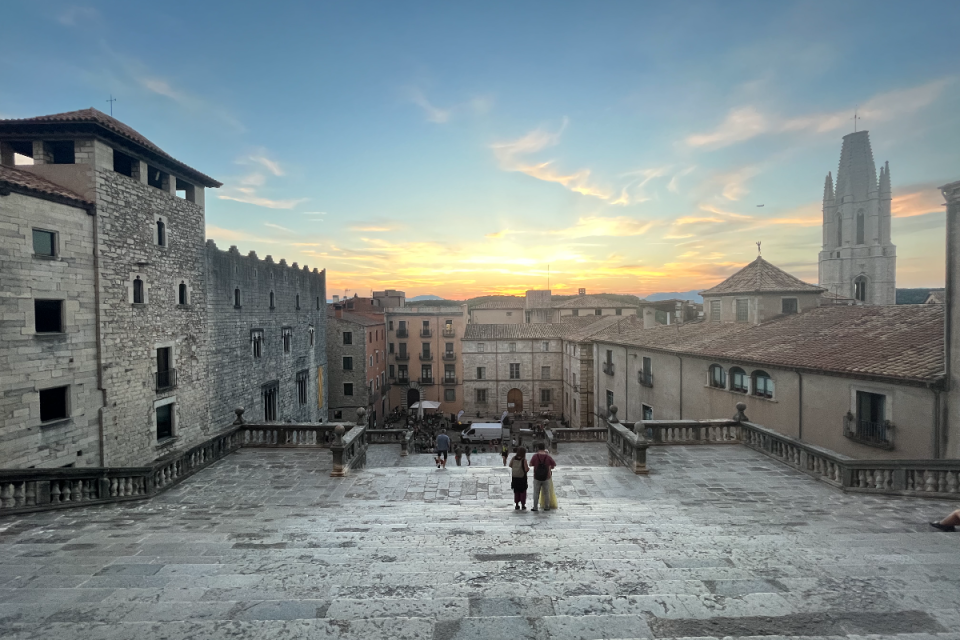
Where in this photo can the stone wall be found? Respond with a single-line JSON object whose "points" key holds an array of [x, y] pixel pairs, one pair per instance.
{"points": [[339, 405], [30, 361], [496, 359], [237, 377]]}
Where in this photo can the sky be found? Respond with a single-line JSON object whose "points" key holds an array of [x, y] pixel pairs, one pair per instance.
{"points": [[462, 149]]}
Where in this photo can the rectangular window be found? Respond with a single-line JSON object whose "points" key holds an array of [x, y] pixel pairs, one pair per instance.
{"points": [[449, 395], [619, 312], [544, 396], [44, 243], [576, 312], [287, 336], [371, 361], [48, 316], [166, 374], [598, 312], [871, 416], [390, 347], [348, 363], [348, 388], [609, 356], [449, 348], [514, 370], [124, 164], [646, 372], [527, 315], [392, 371], [715, 311], [256, 338], [609, 399], [545, 373], [426, 372], [449, 372], [788, 305], [544, 346], [53, 404], [743, 309], [402, 374], [165, 421], [481, 395], [426, 349], [347, 337], [271, 393], [481, 347], [303, 379], [647, 411], [512, 347], [481, 373]]}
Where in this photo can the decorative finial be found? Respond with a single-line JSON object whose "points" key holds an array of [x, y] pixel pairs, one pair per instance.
{"points": [[111, 101], [758, 247], [855, 118]]}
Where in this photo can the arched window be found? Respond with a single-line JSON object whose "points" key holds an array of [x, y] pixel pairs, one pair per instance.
{"points": [[138, 290], [860, 288], [718, 377], [839, 230], [182, 293], [738, 380], [271, 300], [236, 297], [161, 233], [860, 230], [762, 384]]}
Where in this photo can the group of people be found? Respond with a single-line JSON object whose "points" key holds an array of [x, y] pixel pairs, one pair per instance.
{"points": [[541, 462]]}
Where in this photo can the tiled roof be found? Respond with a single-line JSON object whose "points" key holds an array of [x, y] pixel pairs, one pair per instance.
{"points": [[32, 184], [761, 277], [936, 296], [361, 319], [592, 302], [603, 323], [899, 341], [512, 302], [574, 328], [95, 117]]}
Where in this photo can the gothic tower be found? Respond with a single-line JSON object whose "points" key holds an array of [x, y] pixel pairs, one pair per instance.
{"points": [[858, 259]]}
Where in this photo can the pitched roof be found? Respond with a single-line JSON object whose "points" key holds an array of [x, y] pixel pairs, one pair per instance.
{"points": [[587, 331], [32, 184], [362, 319], [569, 329], [590, 302], [903, 342], [761, 277], [100, 120], [511, 302]]}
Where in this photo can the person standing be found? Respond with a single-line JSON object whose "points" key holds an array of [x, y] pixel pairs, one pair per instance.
{"points": [[443, 446], [543, 466], [468, 455], [504, 452], [518, 480], [457, 453]]}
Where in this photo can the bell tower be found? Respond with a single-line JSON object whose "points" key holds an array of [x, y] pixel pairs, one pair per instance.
{"points": [[858, 259]]}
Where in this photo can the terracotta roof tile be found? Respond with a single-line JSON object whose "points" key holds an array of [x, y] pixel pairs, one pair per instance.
{"points": [[96, 117], [902, 342], [761, 277], [592, 302], [512, 302], [30, 183]]}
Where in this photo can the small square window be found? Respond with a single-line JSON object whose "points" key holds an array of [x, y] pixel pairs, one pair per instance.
{"points": [[789, 305], [44, 243], [48, 316], [449, 395], [743, 310], [347, 363], [347, 337], [348, 388], [53, 404]]}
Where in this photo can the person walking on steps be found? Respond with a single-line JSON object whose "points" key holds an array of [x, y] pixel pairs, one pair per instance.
{"points": [[543, 466], [468, 455], [457, 453], [518, 480], [504, 452], [443, 446]]}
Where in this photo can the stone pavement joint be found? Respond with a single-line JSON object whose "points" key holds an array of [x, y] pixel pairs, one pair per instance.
{"points": [[717, 541]]}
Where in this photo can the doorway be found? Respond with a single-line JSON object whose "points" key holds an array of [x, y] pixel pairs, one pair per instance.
{"points": [[413, 396], [515, 401]]}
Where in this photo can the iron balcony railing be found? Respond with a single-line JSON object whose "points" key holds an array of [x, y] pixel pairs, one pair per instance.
{"points": [[426, 333], [403, 356], [645, 378], [426, 380], [872, 431], [449, 355], [403, 380], [165, 379], [449, 333], [426, 357], [608, 368], [449, 380], [402, 333]]}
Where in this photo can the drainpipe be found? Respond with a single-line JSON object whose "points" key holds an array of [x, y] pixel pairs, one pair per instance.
{"points": [[680, 358], [626, 385], [96, 302], [800, 412], [937, 425]]}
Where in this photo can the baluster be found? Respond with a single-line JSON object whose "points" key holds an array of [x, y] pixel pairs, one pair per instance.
{"points": [[55, 492], [930, 481], [6, 495], [18, 498], [113, 487], [951, 482], [31, 494], [941, 481], [78, 491], [65, 491]]}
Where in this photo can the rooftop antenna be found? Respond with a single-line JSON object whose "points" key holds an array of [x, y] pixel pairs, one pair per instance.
{"points": [[111, 101], [855, 118]]}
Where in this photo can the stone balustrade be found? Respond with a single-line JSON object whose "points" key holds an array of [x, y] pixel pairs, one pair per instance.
{"points": [[391, 436], [350, 448], [670, 432], [580, 435], [306, 435], [626, 448]]}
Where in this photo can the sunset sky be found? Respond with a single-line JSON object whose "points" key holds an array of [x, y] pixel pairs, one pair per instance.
{"points": [[458, 149]]}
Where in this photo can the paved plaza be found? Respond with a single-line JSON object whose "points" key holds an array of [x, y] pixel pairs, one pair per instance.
{"points": [[718, 541]]}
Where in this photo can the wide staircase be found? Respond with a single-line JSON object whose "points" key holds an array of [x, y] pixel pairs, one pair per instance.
{"points": [[721, 541]]}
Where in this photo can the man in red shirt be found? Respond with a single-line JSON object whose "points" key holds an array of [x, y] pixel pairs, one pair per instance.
{"points": [[542, 465]]}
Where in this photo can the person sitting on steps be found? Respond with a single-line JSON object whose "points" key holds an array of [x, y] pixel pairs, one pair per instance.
{"points": [[949, 523]]}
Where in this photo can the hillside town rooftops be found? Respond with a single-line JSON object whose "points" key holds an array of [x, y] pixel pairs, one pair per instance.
{"points": [[761, 277], [94, 121], [26, 182], [361, 319], [904, 342]]}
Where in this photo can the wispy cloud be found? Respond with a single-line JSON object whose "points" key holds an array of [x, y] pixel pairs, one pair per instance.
{"points": [[247, 187], [476, 106], [276, 226], [917, 201], [743, 123], [601, 226]]}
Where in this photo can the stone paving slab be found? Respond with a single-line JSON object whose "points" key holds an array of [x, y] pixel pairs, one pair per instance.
{"points": [[716, 542]]}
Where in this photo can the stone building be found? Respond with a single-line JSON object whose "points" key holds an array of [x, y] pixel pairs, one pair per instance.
{"points": [[858, 259], [584, 305], [502, 310], [357, 364], [759, 292], [424, 358], [578, 367], [162, 353]]}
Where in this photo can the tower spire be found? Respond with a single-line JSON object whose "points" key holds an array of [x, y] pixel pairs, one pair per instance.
{"points": [[828, 188]]}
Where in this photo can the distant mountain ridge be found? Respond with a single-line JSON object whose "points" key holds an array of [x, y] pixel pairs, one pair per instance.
{"points": [[693, 294], [427, 296]]}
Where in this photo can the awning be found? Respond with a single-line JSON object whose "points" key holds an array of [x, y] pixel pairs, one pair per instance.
{"points": [[427, 404]]}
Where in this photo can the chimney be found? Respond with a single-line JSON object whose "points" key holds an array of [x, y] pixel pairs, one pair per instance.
{"points": [[649, 317], [336, 298], [582, 292], [337, 310]]}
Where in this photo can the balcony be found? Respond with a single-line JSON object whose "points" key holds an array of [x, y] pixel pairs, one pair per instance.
{"points": [[645, 378], [449, 380], [426, 333], [449, 333], [403, 333], [426, 380], [403, 380], [403, 356], [426, 357], [608, 368], [165, 379], [449, 355]]}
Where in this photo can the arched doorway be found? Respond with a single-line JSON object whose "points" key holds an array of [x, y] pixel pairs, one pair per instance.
{"points": [[413, 395], [515, 401]]}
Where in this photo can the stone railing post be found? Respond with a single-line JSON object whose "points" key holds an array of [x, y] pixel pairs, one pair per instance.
{"points": [[741, 416], [337, 450], [239, 411]]}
